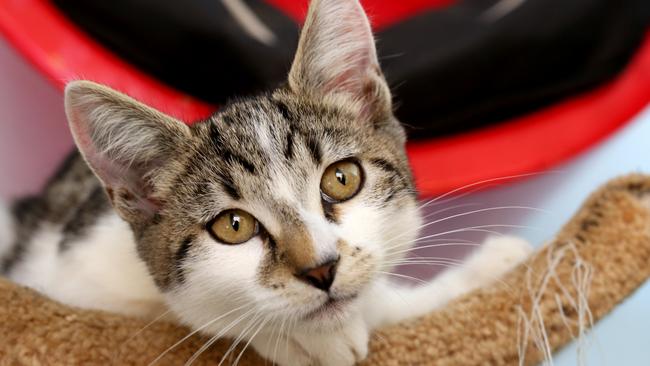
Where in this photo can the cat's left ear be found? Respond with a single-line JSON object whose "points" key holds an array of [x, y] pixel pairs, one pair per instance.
{"points": [[336, 54], [126, 143]]}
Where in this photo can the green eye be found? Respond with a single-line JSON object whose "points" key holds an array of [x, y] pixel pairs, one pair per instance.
{"points": [[341, 180], [234, 227]]}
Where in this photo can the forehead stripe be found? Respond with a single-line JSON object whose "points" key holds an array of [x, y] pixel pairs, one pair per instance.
{"points": [[180, 255], [227, 120], [288, 151], [314, 148], [385, 166], [215, 135], [228, 155], [229, 186], [329, 211], [284, 110], [235, 158]]}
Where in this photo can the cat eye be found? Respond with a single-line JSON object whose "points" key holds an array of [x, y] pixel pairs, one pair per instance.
{"points": [[341, 181], [234, 227]]}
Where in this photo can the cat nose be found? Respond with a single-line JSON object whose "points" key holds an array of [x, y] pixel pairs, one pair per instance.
{"points": [[321, 276]]}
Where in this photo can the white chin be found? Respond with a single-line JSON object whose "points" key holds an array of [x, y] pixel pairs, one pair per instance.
{"points": [[329, 314]]}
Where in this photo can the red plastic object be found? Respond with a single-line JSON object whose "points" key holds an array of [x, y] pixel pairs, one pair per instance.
{"points": [[527, 144], [64, 52], [382, 13]]}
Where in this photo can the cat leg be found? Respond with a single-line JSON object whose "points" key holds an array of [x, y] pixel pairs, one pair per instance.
{"points": [[389, 303], [281, 349]]}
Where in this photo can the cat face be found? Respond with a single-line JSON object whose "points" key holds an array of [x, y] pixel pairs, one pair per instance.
{"points": [[289, 204], [271, 159]]}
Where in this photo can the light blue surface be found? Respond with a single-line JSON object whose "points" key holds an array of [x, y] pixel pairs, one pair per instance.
{"points": [[621, 339], [564, 189]]}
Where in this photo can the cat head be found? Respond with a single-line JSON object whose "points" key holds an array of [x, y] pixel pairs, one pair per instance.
{"points": [[291, 203]]}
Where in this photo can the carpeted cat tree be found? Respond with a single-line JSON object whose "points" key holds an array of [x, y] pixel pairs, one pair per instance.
{"points": [[598, 259]]}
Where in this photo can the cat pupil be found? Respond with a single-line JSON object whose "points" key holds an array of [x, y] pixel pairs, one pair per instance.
{"points": [[234, 221], [340, 176]]}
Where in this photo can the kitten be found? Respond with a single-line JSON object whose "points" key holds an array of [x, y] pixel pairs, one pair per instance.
{"points": [[273, 222]]}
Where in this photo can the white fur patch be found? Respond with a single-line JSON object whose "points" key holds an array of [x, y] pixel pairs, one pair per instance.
{"points": [[102, 271], [486, 265], [264, 138], [322, 233], [219, 286], [283, 190]]}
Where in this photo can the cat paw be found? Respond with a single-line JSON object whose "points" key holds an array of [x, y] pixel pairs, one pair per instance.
{"points": [[496, 256], [343, 347], [282, 350]]}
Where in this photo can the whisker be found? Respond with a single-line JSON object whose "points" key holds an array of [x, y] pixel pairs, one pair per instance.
{"points": [[420, 259], [497, 279], [459, 196], [478, 228], [119, 348], [216, 337], [292, 326], [425, 239], [499, 208], [431, 264], [262, 325], [438, 240], [240, 337], [448, 209], [435, 246], [277, 341], [194, 332], [498, 179], [402, 276], [467, 214]]}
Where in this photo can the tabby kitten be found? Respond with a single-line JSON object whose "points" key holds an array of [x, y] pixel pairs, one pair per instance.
{"points": [[273, 222]]}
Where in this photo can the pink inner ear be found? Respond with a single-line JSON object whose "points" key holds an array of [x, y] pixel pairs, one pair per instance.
{"points": [[346, 40], [114, 176], [129, 185], [351, 80], [147, 205], [108, 172], [358, 81]]}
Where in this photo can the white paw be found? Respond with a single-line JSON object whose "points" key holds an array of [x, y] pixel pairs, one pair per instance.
{"points": [[281, 349], [343, 347], [496, 256]]}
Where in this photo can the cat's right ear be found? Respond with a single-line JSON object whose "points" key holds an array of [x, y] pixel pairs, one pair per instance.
{"points": [[336, 55], [124, 142]]}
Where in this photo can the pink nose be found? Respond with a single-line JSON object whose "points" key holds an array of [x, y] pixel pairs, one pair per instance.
{"points": [[321, 276]]}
